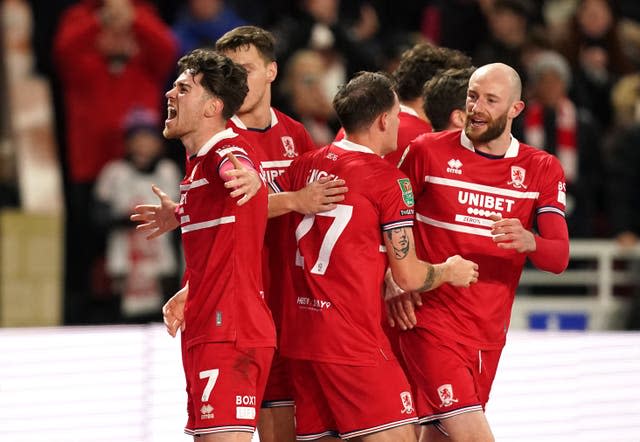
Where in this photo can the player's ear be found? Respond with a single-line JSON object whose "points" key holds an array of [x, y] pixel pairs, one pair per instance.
{"points": [[516, 108], [383, 121], [457, 119], [272, 71], [213, 106]]}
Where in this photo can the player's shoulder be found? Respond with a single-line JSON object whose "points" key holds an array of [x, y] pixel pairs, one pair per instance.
{"points": [[538, 156], [442, 138]]}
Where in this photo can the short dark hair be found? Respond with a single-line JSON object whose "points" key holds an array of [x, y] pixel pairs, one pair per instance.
{"points": [[444, 93], [421, 62], [245, 36], [359, 102], [221, 77]]}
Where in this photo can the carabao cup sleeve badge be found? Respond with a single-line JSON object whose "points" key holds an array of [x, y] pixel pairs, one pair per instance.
{"points": [[407, 192]]}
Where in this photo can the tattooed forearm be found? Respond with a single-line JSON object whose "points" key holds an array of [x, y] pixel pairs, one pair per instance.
{"points": [[429, 279], [400, 242]]}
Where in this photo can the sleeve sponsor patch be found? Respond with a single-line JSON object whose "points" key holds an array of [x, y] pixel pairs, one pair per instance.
{"points": [[407, 192]]}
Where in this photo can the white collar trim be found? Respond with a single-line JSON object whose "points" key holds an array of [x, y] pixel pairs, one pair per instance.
{"points": [[408, 110], [239, 124], [227, 133], [512, 150], [354, 147]]}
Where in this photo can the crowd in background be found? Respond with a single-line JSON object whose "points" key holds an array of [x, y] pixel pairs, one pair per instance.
{"points": [[110, 61]]}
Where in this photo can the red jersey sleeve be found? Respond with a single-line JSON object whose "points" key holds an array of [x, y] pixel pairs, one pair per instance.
{"points": [[395, 202], [553, 190], [412, 164]]}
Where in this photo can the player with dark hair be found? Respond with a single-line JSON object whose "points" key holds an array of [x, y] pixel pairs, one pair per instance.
{"points": [[445, 97], [229, 342], [347, 382]]}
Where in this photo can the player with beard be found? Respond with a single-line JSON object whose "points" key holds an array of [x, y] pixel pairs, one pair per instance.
{"points": [[478, 193]]}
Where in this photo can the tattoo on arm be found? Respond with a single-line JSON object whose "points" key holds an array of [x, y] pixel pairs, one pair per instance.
{"points": [[429, 279], [400, 242]]}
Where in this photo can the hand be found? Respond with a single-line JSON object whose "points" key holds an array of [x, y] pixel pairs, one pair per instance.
{"points": [[400, 304], [156, 219], [246, 182], [461, 272], [320, 196], [173, 311], [401, 310], [508, 233]]}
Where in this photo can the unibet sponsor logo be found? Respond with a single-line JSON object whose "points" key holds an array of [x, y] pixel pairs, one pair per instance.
{"points": [[485, 201], [407, 192]]}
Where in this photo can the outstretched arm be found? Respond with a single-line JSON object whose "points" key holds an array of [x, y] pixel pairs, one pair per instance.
{"points": [[318, 196], [156, 219]]}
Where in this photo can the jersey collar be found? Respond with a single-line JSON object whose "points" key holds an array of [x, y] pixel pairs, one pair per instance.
{"points": [[408, 110], [512, 150], [240, 125], [227, 133], [350, 145]]}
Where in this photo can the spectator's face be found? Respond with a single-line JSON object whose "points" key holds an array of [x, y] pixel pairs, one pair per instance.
{"points": [[306, 86], [260, 75], [186, 104], [205, 9], [144, 147], [595, 18], [508, 27], [550, 88]]}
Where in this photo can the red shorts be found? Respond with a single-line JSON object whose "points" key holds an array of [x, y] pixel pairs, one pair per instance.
{"points": [[225, 385], [279, 390], [447, 378], [349, 401]]}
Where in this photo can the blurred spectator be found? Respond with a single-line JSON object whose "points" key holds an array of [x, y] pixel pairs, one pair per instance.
{"points": [[553, 122], [445, 97], [110, 56], [347, 47], [202, 22], [594, 49], [304, 97], [142, 272], [509, 22], [443, 20]]}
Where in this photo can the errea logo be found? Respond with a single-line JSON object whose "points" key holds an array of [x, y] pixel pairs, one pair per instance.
{"points": [[455, 166]]}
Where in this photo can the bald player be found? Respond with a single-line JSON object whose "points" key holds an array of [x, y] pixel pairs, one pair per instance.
{"points": [[478, 193]]}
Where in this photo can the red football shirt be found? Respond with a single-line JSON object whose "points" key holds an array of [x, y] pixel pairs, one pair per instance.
{"points": [[340, 260], [222, 246], [456, 190], [276, 146], [411, 125]]}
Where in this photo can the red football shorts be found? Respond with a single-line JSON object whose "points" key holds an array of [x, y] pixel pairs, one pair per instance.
{"points": [[279, 390], [349, 401], [447, 378], [225, 385]]}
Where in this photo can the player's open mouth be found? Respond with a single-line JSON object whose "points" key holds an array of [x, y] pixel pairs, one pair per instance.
{"points": [[477, 122], [171, 113]]}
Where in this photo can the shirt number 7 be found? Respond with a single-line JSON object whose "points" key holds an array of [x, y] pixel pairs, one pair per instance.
{"points": [[341, 216]]}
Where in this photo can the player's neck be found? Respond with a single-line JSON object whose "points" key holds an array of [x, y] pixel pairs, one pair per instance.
{"points": [[259, 117], [497, 146], [416, 106], [194, 141], [364, 139]]}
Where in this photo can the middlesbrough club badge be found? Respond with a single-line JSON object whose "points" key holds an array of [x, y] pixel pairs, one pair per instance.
{"points": [[289, 147]]}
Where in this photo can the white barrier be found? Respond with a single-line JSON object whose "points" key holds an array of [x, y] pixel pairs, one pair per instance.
{"points": [[604, 273], [117, 384]]}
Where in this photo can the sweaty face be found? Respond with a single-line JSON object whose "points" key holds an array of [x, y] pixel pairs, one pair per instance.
{"points": [[260, 74]]}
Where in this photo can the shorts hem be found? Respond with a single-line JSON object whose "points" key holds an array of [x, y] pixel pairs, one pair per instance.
{"points": [[277, 403], [378, 428], [437, 417], [315, 436], [220, 429]]}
